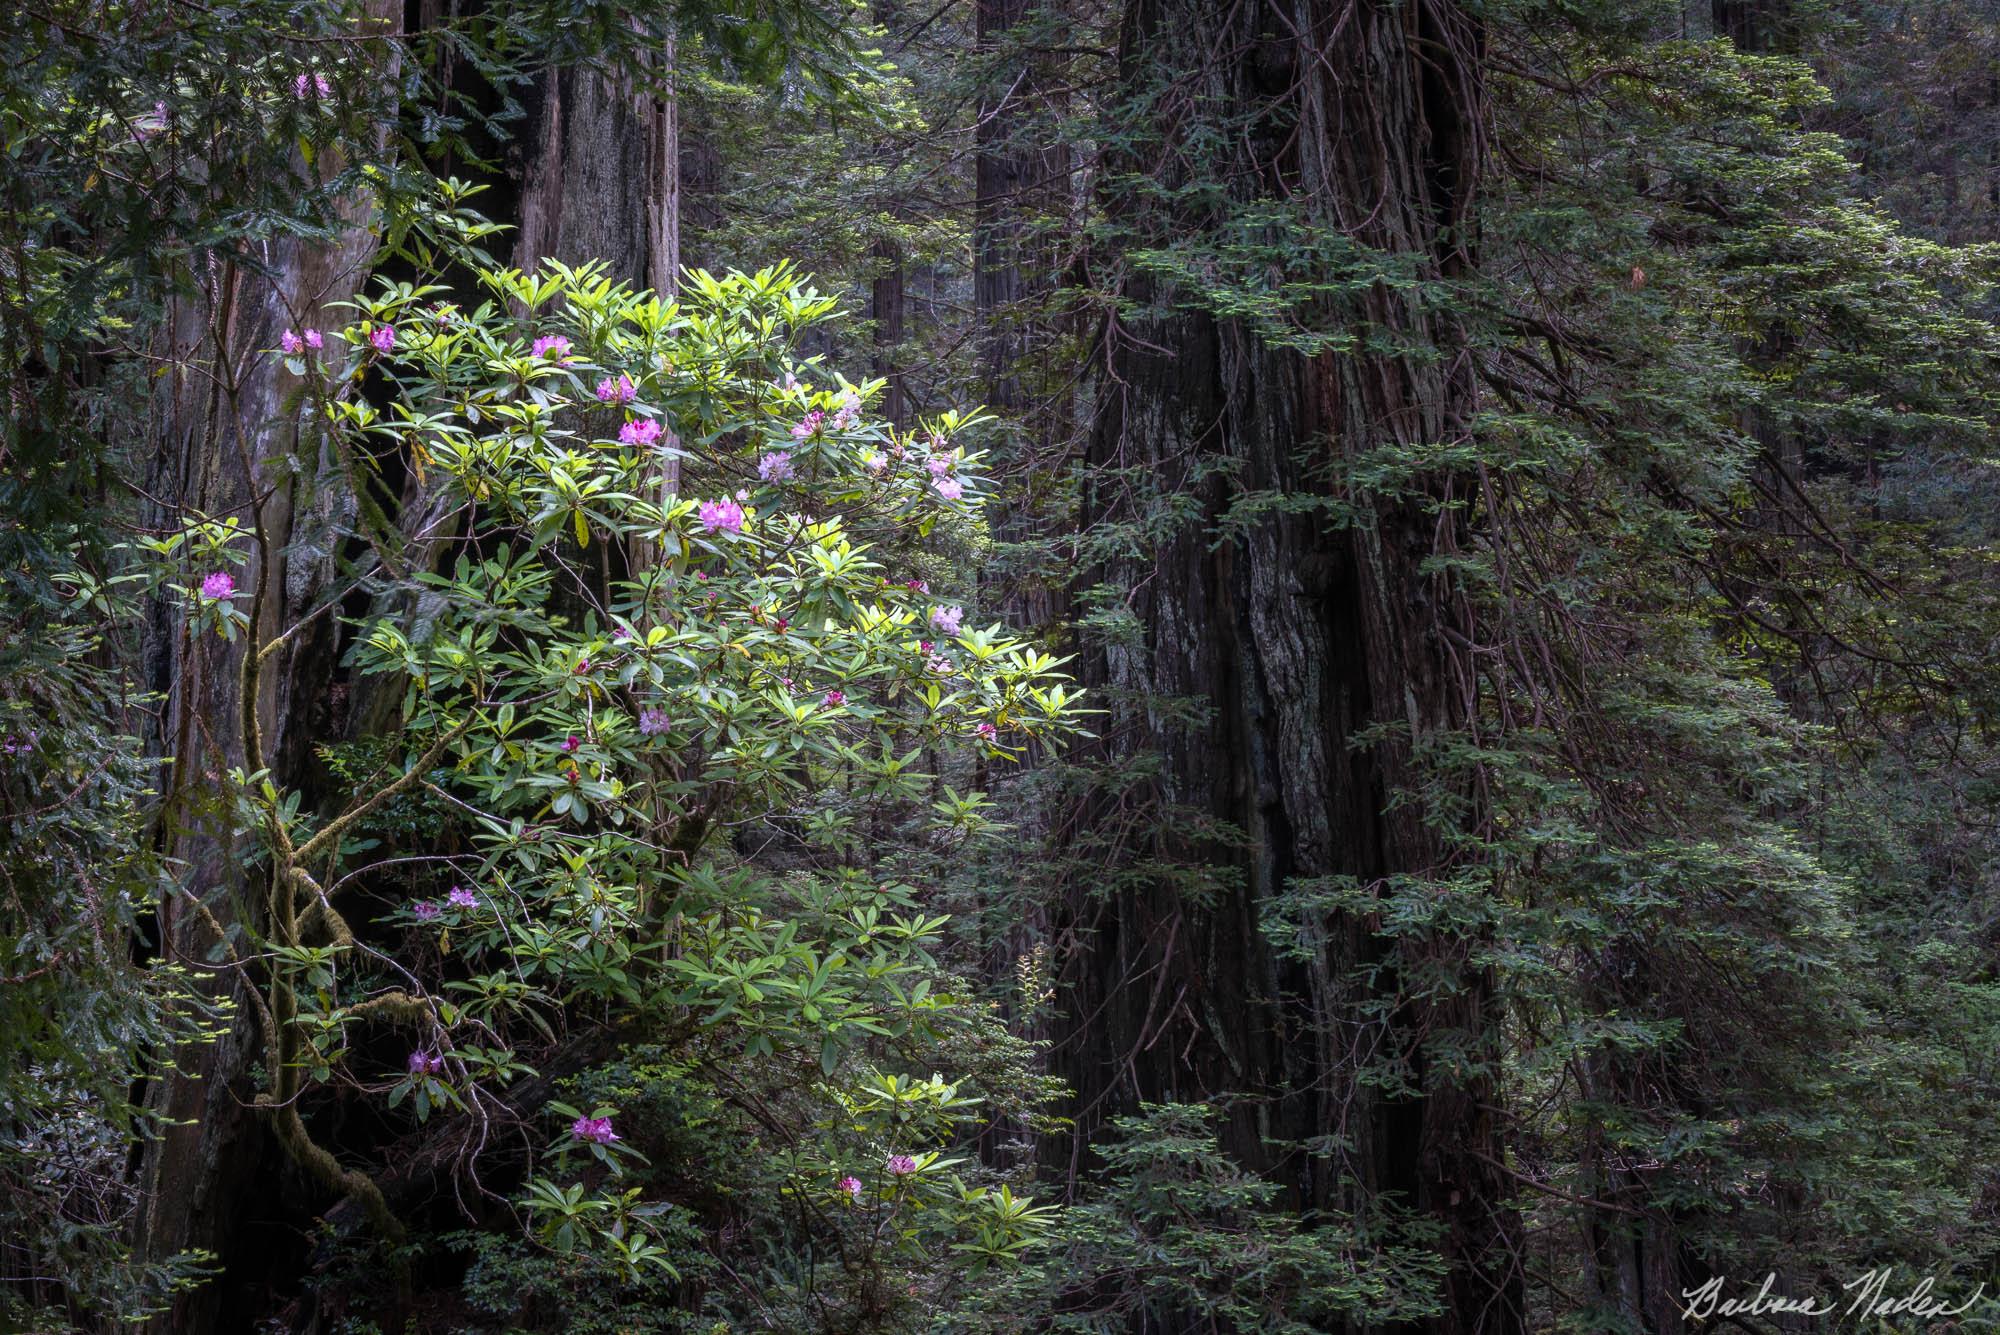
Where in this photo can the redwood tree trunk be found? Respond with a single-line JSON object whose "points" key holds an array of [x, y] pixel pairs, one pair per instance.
{"points": [[1294, 630], [228, 445]]}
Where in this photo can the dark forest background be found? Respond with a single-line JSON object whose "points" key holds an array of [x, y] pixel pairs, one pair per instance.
{"points": [[1514, 481]]}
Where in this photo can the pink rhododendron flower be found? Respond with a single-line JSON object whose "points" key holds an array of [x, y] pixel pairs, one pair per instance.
{"points": [[643, 431], [835, 699], [218, 584], [554, 347], [987, 732], [809, 424], [919, 585], [621, 390], [593, 1128], [653, 722], [775, 466], [902, 1165], [424, 909], [949, 487], [426, 1063], [849, 411], [571, 742], [462, 898], [313, 339], [938, 465], [874, 462], [850, 1185], [306, 85], [721, 516], [946, 619], [384, 338], [290, 341]]}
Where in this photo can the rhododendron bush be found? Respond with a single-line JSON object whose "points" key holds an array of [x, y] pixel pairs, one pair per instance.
{"points": [[668, 660]]}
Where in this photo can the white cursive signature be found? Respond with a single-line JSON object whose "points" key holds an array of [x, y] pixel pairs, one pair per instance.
{"points": [[1870, 1298]]}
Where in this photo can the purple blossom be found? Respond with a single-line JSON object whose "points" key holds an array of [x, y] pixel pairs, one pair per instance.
{"points": [[596, 1129], [383, 338], [775, 466], [571, 742], [849, 411], [901, 1165], [653, 722], [938, 465], [290, 341], [949, 487], [462, 898], [939, 665], [552, 346], [808, 425], [835, 699], [313, 339], [218, 584], [424, 909], [850, 1185], [987, 732], [306, 85], [874, 462], [917, 585], [642, 431], [426, 1063], [721, 516], [946, 619], [19, 746], [621, 390]]}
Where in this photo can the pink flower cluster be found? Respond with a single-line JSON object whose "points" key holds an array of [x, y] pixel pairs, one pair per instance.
{"points": [[835, 699], [552, 347], [851, 1185], [596, 1129], [292, 342], [307, 85], [217, 585], [809, 424], [621, 390], [775, 466], [947, 619], [653, 722], [383, 338], [848, 413], [462, 898], [424, 910], [950, 488], [901, 1165], [642, 431], [426, 1063], [723, 516]]}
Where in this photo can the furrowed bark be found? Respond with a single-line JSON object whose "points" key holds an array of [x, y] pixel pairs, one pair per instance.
{"points": [[228, 446], [1297, 628]]}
